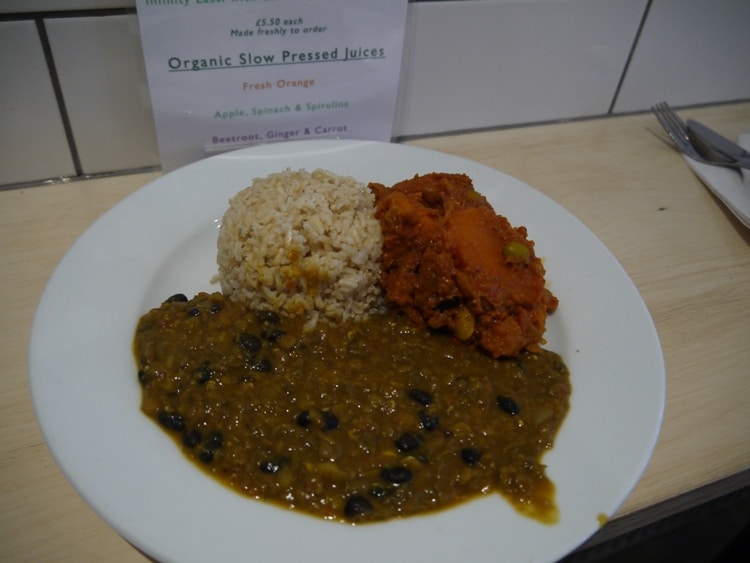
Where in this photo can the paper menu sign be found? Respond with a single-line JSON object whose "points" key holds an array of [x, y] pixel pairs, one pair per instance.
{"points": [[224, 74]]}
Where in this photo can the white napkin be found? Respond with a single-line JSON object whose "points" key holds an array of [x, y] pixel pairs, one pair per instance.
{"points": [[729, 186]]}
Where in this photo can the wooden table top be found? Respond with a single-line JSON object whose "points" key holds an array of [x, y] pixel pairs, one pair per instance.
{"points": [[687, 255]]}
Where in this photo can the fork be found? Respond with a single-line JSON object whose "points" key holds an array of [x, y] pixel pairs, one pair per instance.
{"points": [[677, 130]]}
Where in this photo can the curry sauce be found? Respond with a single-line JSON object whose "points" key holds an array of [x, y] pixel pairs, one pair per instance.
{"points": [[359, 422]]}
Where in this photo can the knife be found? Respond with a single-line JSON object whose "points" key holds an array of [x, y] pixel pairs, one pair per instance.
{"points": [[719, 143]]}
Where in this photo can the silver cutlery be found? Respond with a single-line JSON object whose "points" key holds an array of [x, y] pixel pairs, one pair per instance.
{"points": [[693, 143], [696, 130]]}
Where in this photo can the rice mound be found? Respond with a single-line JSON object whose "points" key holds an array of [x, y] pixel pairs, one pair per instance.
{"points": [[304, 245]]}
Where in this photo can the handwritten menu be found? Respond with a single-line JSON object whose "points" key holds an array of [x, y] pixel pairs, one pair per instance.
{"points": [[224, 74]]}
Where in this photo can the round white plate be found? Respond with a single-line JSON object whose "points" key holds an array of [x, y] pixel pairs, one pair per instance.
{"points": [[162, 240]]}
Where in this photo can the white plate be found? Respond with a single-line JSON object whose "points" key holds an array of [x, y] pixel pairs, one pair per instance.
{"points": [[161, 240]]}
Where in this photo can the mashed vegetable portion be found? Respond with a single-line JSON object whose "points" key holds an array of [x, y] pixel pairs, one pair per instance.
{"points": [[450, 262]]}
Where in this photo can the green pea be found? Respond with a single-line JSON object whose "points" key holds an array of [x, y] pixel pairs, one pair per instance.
{"points": [[516, 251]]}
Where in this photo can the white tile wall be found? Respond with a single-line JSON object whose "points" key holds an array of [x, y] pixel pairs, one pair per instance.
{"points": [[100, 64], [32, 139], [690, 52], [468, 64], [483, 64]]}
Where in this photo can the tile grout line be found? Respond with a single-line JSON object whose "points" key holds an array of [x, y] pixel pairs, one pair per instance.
{"points": [[56, 86], [629, 59]]}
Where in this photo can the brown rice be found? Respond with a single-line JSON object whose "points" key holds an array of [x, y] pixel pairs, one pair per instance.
{"points": [[303, 244]]}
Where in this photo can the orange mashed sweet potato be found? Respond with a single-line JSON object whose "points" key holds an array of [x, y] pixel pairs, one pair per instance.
{"points": [[451, 263]]}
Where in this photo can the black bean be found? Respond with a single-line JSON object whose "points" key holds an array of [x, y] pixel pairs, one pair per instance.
{"points": [[357, 505], [421, 396], [271, 466], [268, 317], [303, 419], [142, 377], [215, 308], [428, 421], [471, 456], [194, 312], [262, 364], [206, 455], [250, 342], [272, 335], [508, 405], [204, 373], [409, 441], [396, 475], [191, 438], [215, 440], [177, 298], [171, 420], [329, 421]]}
